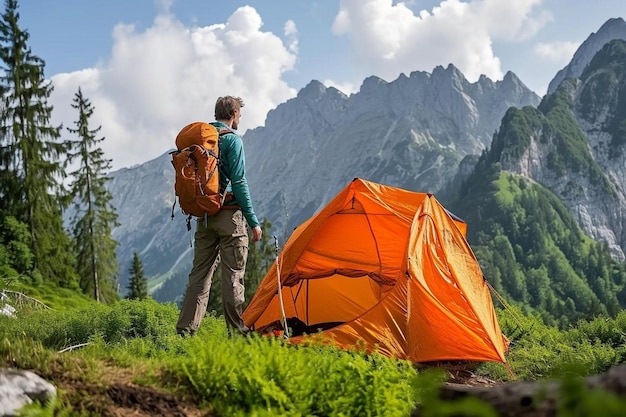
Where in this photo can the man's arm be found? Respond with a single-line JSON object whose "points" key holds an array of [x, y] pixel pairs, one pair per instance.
{"points": [[239, 183]]}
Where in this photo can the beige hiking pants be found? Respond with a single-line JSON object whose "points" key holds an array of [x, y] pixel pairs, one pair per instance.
{"points": [[224, 234]]}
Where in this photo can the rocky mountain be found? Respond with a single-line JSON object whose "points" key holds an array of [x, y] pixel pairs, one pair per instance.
{"points": [[546, 203], [412, 132], [422, 132], [574, 144], [612, 29], [143, 197]]}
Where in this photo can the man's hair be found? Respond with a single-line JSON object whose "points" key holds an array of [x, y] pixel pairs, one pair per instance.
{"points": [[226, 106]]}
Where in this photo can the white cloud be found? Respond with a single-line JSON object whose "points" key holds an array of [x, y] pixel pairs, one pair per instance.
{"points": [[388, 39], [158, 80], [557, 52], [346, 88], [511, 20], [291, 33], [164, 5]]}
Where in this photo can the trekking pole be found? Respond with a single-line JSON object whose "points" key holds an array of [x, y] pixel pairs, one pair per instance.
{"points": [[280, 291]]}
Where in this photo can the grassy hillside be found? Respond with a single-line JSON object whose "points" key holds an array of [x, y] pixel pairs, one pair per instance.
{"points": [[530, 247], [533, 252], [126, 359]]}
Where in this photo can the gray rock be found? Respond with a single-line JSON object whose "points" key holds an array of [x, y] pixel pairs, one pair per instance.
{"points": [[613, 29], [19, 388], [411, 132]]}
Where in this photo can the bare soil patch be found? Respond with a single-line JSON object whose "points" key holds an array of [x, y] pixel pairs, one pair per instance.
{"points": [[117, 396]]}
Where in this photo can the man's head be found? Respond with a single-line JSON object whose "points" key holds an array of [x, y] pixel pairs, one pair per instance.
{"points": [[228, 110]]}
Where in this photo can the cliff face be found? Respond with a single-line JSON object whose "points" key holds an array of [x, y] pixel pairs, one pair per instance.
{"points": [[421, 132], [411, 133], [575, 145], [612, 29]]}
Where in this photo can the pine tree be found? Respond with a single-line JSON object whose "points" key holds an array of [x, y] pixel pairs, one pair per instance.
{"points": [[31, 153], [16, 257], [94, 217], [138, 285]]}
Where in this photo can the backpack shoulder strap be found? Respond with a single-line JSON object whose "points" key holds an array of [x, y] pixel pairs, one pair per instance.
{"points": [[220, 164], [224, 131]]}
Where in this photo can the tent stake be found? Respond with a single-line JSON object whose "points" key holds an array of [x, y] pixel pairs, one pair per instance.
{"points": [[280, 292]]}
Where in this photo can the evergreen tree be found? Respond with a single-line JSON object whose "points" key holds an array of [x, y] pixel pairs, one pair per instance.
{"points": [[16, 258], [138, 285], [31, 171], [95, 217]]}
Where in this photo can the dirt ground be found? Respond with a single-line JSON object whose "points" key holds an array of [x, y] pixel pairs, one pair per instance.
{"points": [[125, 400], [117, 396], [467, 377]]}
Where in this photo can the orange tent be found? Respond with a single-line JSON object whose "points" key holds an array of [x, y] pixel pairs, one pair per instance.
{"points": [[385, 269]]}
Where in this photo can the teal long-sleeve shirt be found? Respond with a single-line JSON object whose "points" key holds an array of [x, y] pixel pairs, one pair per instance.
{"points": [[234, 168]]}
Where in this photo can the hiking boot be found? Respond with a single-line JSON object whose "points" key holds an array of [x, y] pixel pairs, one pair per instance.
{"points": [[186, 332]]}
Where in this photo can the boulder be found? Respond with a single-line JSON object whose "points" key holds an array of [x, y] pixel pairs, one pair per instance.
{"points": [[19, 388]]}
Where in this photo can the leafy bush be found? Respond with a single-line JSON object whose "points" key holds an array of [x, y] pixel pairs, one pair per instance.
{"points": [[121, 321], [265, 376], [261, 376]]}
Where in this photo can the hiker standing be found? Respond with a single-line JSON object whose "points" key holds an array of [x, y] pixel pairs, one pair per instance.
{"points": [[224, 233]]}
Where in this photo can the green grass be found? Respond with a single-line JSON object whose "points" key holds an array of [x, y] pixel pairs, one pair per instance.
{"points": [[136, 341], [50, 296]]}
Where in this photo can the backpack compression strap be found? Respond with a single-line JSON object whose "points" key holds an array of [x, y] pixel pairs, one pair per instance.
{"points": [[223, 131]]}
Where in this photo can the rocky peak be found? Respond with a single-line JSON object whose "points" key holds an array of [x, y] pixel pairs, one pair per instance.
{"points": [[612, 29], [573, 145], [411, 132]]}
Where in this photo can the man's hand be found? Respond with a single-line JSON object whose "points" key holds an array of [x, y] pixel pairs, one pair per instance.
{"points": [[256, 233]]}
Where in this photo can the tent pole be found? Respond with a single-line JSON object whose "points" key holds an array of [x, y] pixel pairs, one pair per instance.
{"points": [[280, 291]]}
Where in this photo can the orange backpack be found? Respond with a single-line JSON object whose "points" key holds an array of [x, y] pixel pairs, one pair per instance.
{"points": [[196, 162]]}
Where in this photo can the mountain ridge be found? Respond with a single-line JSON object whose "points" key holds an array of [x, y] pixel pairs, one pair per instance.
{"points": [[315, 143], [568, 143], [423, 132], [614, 28]]}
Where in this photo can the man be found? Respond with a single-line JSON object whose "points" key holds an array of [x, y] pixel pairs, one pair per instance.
{"points": [[224, 233]]}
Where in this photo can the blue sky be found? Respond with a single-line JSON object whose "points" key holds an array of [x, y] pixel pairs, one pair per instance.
{"points": [[151, 66]]}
